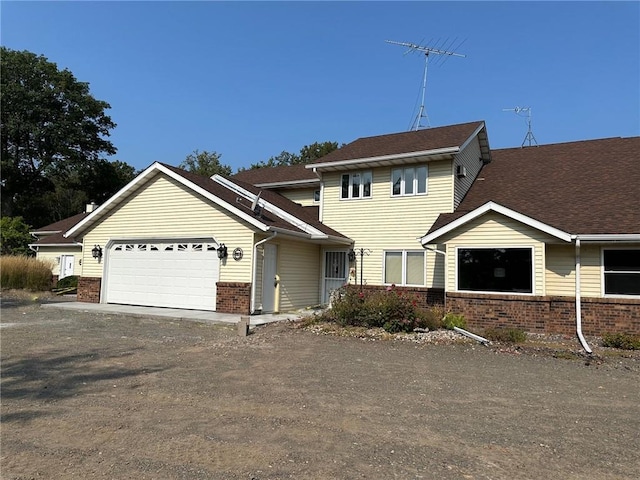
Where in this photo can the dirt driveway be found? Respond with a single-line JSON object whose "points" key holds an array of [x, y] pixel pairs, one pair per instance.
{"points": [[89, 395]]}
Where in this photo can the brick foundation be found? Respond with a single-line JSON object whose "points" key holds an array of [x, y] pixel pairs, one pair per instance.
{"points": [[233, 297], [54, 280], [89, 289], [546, 314]]}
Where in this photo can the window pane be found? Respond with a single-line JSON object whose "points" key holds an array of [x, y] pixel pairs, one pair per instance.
{"points": [[415, 268], [355, 185], [495, 270], [316, 195], [622, 260], [408, 181], [393, 267], [345, 187], [366, 182], [396, 179], [421, 177], [622, 283]]}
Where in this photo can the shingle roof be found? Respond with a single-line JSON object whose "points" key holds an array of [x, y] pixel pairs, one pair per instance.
{"points": [[403, 143], [585, 187], [275, 175], [53, 234]]}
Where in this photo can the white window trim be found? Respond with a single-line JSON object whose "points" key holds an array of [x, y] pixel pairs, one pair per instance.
{"points": [[415, 183], [404, 267], [361, 197], [602, 272], [505, 247]]}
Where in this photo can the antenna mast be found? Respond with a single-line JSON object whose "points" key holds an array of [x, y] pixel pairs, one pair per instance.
{"points": [[529, 136], [417, 123]]}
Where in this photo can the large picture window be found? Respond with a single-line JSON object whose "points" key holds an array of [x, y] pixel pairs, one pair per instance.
{"points": [[409, 181], [356, 185], [404, 267], [495, 270], [621, 271]]}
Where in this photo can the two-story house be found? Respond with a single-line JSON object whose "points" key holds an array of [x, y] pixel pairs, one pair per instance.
{"points": [[406, 209]]}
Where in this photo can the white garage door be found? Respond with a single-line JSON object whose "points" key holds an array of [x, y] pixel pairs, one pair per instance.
{"points": [[173, 274]]}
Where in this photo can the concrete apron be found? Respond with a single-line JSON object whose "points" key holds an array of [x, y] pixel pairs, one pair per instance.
{"points": [[176, 313]]}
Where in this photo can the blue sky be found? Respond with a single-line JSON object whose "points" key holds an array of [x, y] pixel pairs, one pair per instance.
{"points": [[251, 79]]}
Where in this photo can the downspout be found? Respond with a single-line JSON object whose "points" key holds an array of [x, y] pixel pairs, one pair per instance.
{"points": [[254, 269], [578, 301]]}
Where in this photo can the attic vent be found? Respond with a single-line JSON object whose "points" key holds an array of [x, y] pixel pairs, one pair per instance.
{"points": [[461, 171]]}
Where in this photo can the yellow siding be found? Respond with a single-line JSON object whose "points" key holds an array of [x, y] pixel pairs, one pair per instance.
{"points": [[53, 254], [494, 230], [165, 208], [470, 159], [299, 270], [383, 222], [590, 271], [560, 272], [303, 196]]}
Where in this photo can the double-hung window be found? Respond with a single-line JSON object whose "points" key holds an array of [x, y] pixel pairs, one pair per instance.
{"points": [[409, 181], [621, 271], [508, 270], [404, 267], [356, 185]]}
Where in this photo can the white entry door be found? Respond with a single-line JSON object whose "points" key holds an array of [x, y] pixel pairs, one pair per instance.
{"points": [[66, 266], [335, 272], [174, 274], [269, 273]]}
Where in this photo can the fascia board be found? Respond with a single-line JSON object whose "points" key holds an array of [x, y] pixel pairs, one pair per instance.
{"points": [[472, 136], [295, 183], [356, 161], [507, 212], [40, 245], [610, 237]]}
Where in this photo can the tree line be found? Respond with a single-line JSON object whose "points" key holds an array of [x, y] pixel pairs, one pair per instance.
{"points": [[54, 140]]}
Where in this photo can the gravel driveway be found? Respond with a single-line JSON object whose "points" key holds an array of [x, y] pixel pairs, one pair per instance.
{"points": [[89, 395]]}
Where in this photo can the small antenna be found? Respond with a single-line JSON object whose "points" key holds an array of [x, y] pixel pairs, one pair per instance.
{"points": [[255, 207], [417, 123], [529, 136]]}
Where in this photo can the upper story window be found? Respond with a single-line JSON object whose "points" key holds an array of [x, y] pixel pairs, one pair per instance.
{"points": [[621, 271], [356, 185], [316, 196], [409, 181]]}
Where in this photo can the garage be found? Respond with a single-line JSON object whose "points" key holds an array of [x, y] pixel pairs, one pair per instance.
{"points": [[168, 273]]}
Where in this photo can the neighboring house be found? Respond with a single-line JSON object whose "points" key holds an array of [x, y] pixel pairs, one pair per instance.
{"points": [[64, 254], [289, 236]]}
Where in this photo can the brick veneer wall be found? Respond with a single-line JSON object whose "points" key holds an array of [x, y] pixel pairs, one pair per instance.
{"points": [[54, 280], [425, 297], [233, 297], [89, 289], [546, 314]]}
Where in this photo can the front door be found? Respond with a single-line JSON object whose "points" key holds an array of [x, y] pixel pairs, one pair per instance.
{"points": [[66, 266], [269, 273], [335, 273]]}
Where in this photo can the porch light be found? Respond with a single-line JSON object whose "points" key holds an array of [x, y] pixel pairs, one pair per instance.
{"points": [[222, 251], [96, 252], [352, 255]]}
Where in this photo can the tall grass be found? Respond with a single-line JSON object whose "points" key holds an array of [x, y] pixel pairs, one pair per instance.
{"points": [[25, 273]]}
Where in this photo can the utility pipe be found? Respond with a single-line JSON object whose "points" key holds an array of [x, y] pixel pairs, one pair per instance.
{"points": [[254, 267], [578, 301]]}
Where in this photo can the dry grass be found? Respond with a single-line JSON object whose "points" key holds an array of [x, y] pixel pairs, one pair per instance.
{"points": [[27, 273]]}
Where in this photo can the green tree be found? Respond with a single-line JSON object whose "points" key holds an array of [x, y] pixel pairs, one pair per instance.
{"points": [[50, 126], [307, 154], [205, 163], [14, 236]]}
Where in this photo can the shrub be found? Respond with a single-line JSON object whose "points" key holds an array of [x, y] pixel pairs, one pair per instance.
{"points": [[451, 320], [68, 282], [25, 273], [505, 335], [624, 341]]}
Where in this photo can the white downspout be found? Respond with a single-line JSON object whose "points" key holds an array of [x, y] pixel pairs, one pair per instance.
{"points": [[578, 301], [254, 267]]}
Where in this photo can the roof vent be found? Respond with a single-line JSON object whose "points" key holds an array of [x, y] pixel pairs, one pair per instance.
{"points": [[461, 171]]}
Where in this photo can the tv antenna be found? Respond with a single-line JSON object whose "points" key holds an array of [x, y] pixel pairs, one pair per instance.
{"points": [[518, 111], [443, 51]]}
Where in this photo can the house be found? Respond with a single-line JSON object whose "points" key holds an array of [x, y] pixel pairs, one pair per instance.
{"points": [[63, 253], [406, 209]]}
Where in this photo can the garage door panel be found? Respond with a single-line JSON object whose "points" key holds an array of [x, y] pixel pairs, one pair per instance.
{"points": [[177, 274]]}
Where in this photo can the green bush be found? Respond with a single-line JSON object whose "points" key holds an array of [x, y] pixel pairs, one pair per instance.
{"points": [[68, 282], [25, 273], [393, 310], [451, 320], [623, 341], [505, 335]]}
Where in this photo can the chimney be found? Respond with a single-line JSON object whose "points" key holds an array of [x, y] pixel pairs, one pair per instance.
{"points": [[91, 207]]}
